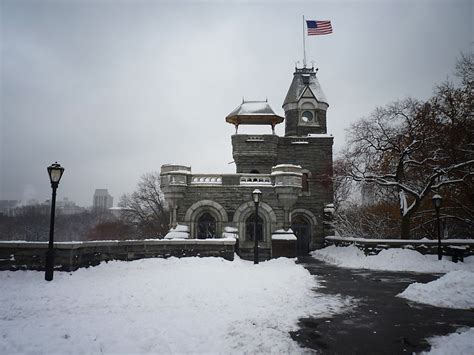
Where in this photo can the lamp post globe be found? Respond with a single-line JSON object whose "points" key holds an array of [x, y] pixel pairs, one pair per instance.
{"points": [[55, 172], [437, 199], [256, 196]]}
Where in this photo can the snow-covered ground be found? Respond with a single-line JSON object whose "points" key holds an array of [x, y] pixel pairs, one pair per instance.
{"points": [[189, 305], [458, 343], [395, 259], [453, 290]]}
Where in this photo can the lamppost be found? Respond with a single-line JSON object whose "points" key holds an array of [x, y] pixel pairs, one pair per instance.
{"points": [[256, 196], [55, 172], [436, 199]]}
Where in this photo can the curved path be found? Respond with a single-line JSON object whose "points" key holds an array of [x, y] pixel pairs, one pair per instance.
{"points": [[379, 322]]}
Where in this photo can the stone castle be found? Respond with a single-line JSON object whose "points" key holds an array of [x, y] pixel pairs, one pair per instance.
{"points": [[294, 174]]}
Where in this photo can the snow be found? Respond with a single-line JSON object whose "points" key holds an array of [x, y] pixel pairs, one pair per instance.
{"points": [[319, 135], [453, 290], [403, 202], [230, 232], [281, 234], [179, 232], [283, 237], [401, 241], [395, 259], [458, 343], [189, 305]]}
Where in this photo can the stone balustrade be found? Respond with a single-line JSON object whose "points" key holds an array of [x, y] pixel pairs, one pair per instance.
{"points": [[255, 179], [206, 179]]}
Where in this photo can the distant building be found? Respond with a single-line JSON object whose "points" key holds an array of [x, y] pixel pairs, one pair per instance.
{"points": [[68, 207], [7, 206], [102, 200]]}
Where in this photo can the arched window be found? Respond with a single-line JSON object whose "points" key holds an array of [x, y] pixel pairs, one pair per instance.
{"points": [[249, 228], [206, 226]]}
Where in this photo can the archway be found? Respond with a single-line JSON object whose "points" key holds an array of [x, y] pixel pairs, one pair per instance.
{"points": [[247, 210], [206, 226], [250, 228], [198, 211]]}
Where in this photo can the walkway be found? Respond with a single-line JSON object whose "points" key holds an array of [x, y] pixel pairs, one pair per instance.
{"points": [[379, 323]]}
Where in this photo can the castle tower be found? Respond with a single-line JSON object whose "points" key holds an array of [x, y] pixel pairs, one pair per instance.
{"points": [[305, 105], [254, 153]]}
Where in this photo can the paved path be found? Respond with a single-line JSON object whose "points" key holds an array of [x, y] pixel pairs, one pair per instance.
{"points": [[380, 323]]}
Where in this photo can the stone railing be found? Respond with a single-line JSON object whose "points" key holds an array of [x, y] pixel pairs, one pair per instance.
{"points": [[206, 179], [255, 179], [18, 255], [175, 178], [450, 247]]}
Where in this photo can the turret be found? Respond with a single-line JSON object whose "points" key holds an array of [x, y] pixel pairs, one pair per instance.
{"points": [[254, 153], [305, 105]]}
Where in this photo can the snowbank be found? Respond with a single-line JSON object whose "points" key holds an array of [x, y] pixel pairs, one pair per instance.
{"points": [[189, 305], [460, 342], [179, 232], [453, 290], [395, 259]]}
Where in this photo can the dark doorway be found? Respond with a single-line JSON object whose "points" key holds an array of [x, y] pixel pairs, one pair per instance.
{"points": [[249, 228], [302, 230], [206, 227]]}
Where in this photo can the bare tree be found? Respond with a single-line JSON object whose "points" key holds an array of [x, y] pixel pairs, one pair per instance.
{"points": [[414, 149], [145, 207]]}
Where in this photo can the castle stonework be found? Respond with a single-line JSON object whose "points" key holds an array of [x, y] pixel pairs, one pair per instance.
{"points": [[294, 174]]}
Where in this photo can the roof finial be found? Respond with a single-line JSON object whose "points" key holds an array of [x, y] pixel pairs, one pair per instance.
{"points": [[266, 99], [296, 64], [243, 99]]}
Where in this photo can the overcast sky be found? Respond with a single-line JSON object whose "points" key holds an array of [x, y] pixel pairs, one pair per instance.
{"points": [[114, 89]]}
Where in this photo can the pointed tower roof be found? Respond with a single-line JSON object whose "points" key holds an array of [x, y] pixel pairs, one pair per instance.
{"points": [[304, 78], [254, 112]]}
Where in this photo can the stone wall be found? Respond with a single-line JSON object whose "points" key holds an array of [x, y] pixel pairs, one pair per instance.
{"points": [[74, 255], [293, 127], [254, 152], [231, 197], [314, 155]]}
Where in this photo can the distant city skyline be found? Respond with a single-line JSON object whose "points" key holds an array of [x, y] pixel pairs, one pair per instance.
{"points": [[113, 90]]}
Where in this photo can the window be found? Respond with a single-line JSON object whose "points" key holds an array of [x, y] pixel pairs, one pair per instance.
{"points": [[254, 171], [249, 228], [307, 116], [206, 227], [304, 182]]}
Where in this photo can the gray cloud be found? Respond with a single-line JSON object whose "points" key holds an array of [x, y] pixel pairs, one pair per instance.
{"points": [[112, 90]]}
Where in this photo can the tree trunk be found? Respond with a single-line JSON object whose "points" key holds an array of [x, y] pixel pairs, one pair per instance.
{"points": [[405, 227]]}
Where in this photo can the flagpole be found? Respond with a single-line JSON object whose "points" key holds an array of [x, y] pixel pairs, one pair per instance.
{"points": [[304, 47]]}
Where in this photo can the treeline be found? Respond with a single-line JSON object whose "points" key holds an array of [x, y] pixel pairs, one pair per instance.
{"points": [[402, 154], [31, 223]]}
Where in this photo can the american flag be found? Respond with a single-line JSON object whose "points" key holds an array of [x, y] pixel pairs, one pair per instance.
{"points": [[318, 27]]}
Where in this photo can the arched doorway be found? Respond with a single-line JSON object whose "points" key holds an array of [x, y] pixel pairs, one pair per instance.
{"points": [[206, 226], [249, 228], [302, 230]]}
